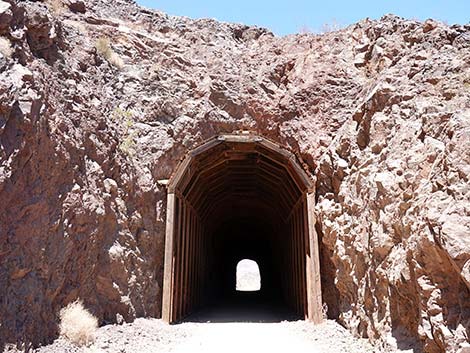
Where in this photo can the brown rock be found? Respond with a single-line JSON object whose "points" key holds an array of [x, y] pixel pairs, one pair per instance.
{"points": [[6, 15], [19, 273], [429, 25], [378, 112], [76, 5]]}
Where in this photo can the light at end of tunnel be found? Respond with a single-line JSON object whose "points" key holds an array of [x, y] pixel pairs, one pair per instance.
{"points": [[248, 276]]}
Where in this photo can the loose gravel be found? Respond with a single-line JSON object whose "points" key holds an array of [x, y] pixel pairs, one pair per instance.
{"points": [[153, 335]]}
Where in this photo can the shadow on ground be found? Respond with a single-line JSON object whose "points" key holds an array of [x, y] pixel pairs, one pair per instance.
{"points": [[244, 307]]}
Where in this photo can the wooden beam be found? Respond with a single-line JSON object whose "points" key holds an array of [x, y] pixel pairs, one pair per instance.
{"points": [[168, 270], [198, 263], [303, 247], [296, 261], [180, 170], [206, 146], [187, 259], [179, 262], [313, 265], [193, 261]]}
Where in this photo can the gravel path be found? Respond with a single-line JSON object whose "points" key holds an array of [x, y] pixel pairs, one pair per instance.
{"points": [[152, 335], [298, 336]]}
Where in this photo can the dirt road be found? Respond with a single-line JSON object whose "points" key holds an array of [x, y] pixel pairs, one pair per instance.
{"points": [[152, 336]]}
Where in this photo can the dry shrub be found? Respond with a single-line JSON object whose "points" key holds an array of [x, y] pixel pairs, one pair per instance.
{"points": [[333, 26], [116, 60], [77, 324], [103, 47], [5, 47], [305, 30]]}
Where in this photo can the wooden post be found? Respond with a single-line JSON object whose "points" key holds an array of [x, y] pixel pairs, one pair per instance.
{"points": [[198, 262], [303, 246], [295, 261], [168, 274], [300, 254], [179, 268], [313, 265], [187, 244]]}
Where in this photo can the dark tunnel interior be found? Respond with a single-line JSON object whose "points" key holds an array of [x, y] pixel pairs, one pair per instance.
{"points": [[235, 200], [235, 240]]}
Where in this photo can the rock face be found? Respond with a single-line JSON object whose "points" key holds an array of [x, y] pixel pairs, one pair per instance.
{"points": [[379, 112], [394, 192]]}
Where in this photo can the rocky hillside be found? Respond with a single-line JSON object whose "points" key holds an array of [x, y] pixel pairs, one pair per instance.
{"points": [[99, 100]]}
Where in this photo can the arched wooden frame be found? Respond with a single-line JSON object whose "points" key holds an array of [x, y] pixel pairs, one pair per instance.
{"points": [[173, 302]]}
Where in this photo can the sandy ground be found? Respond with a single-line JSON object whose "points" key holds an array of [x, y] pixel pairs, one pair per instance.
{"points": [[246, 323], [271, 337], [152, 335]]}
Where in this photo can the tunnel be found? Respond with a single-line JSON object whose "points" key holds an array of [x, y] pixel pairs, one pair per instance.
{"points": [[240, 196]]}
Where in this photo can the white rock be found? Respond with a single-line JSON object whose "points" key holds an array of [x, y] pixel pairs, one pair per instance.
{"points": [[110, 186], [4, 7]]}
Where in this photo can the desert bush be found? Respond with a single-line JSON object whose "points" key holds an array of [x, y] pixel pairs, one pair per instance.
{"points": [[77, 324], [128, 145], [333, 26], [305, 30], [122, 115], [5, 47], [103, 47], [125, 120]]}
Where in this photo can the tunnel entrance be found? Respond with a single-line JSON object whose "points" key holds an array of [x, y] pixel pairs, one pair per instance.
{"points": [[248, 276], [235, 197]]}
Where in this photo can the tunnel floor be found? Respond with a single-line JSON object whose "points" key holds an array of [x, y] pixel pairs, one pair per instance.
{"points": [[245, 307]]}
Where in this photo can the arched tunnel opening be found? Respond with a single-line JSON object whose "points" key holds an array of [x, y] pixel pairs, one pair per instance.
{"points": [[248, 276], [240, 197]]}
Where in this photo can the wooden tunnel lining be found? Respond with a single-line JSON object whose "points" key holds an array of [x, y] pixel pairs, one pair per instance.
{"points": [[228, 176]]}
